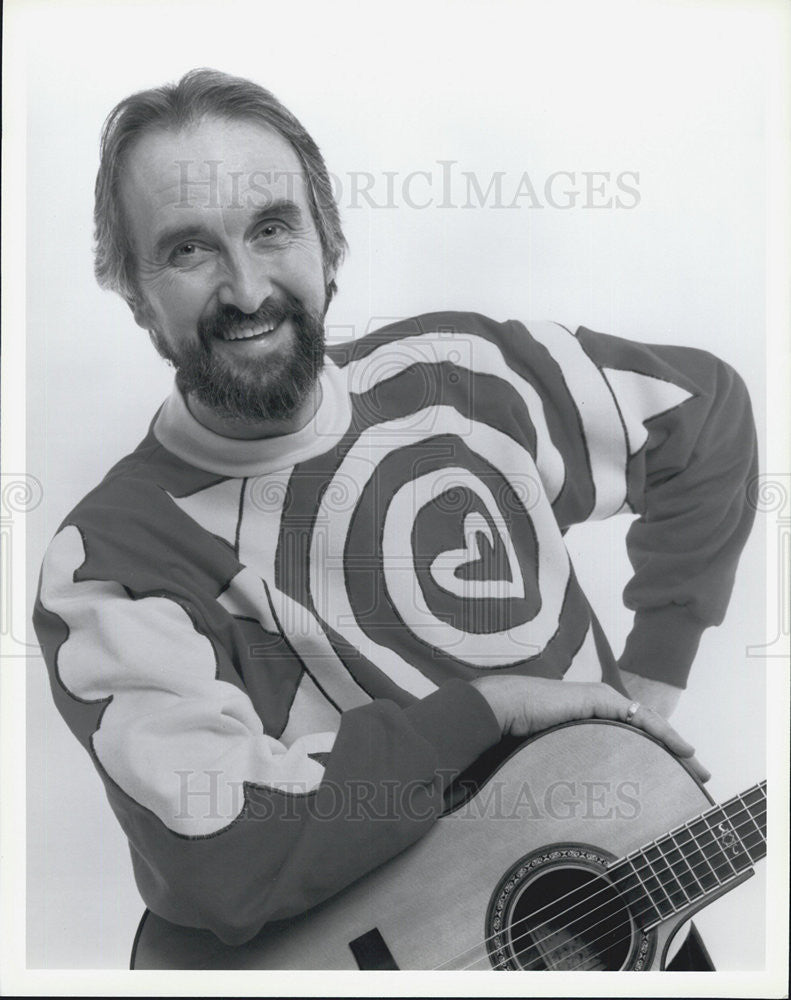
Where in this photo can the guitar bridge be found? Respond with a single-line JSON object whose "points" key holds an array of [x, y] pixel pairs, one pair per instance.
{"points": [[371, 952]]}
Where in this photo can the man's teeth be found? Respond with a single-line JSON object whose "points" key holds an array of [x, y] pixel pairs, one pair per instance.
{"points": [[246, 332]]}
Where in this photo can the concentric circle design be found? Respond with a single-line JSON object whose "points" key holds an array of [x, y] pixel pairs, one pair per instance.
{"points": [[450, 537]]}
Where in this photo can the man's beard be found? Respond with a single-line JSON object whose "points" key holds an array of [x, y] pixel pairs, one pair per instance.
{"points": [[272, 387]]}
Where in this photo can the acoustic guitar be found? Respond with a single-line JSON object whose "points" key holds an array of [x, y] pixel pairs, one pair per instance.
{"points": [[587, 848]]}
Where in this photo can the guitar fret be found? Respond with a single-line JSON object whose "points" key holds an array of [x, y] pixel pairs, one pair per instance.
{"points": [[723, 837], [698, 862], [687, 871], [724, 841], [653, 885], [749, 839], [636, 892], [753, 833], [683, 874], [666, 877], [711, 850]]}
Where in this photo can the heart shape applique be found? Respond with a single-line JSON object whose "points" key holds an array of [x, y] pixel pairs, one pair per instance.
{"points": [[457, 570]]}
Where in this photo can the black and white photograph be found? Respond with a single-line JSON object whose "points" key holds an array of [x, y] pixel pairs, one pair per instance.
{"points": [[396, 501]]}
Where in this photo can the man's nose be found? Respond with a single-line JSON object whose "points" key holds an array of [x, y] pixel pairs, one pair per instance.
{"points": [[245, 282]]}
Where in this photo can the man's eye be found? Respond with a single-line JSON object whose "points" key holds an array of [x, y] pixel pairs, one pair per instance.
{"points": [[186, 252], [272, 230]]}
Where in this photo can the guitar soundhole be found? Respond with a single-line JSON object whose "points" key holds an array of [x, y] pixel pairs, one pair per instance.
{"points": [[548, 914], [570, 919]]}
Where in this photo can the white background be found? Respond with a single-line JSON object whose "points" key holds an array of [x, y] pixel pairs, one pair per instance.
{"points": [[683, 94]]}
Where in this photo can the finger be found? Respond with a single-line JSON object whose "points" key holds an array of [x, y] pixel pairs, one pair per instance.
{"points": [[698, 769], [655, 724], [652, 722]]}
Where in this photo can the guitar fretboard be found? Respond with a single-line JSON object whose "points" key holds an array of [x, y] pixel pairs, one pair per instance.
{"points": [[694, 860]]}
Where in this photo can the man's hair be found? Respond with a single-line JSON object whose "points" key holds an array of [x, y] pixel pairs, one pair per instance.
{"points": [[198, 94]]}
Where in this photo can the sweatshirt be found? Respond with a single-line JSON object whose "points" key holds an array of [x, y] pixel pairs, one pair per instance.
{"points": [[265, 646]]}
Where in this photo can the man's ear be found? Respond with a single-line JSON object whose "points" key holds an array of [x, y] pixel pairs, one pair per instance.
{"points": [[330, 274], [330, 288]]}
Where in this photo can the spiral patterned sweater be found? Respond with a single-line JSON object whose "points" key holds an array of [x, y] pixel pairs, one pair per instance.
{"points": [[264, 645]]}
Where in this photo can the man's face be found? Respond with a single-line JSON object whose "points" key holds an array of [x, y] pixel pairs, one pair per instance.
{"points": [[229, 265]]}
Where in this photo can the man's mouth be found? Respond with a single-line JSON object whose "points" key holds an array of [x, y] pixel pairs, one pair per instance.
{"points": [[249, 331]]}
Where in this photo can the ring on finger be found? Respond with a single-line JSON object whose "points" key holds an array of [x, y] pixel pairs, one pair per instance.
{"points": [[631, 712]]}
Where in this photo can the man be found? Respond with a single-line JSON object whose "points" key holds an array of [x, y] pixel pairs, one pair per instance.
{"points": [[327, 570]]}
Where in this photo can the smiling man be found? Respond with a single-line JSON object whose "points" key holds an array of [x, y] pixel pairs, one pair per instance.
{"points": [[330, 575], [230, 277], [234, 294]]}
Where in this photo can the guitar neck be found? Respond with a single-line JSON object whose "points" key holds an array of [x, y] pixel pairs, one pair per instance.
{"points": [[696, 861]]}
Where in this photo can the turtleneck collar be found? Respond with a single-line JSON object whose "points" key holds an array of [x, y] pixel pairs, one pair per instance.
{"points": [[177, 430]]}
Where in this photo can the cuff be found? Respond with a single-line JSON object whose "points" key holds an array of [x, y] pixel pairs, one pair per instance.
{"points": [[662, 644], [457, 720]]}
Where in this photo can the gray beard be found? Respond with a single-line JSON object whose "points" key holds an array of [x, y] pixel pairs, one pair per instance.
{"points": [[265, 389]]}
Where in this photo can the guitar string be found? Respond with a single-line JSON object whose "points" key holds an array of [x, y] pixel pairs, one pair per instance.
{"points": [[722, 866], [614, 883]]}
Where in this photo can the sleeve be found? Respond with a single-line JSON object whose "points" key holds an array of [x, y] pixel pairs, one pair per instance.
{"points": [[691, 454], [229, 827]]}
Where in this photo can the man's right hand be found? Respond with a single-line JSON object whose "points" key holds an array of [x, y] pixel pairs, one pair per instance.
{"points": [[524, 706]]}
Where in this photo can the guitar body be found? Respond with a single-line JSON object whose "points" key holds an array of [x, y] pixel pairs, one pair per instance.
{"points": [[541, 828]]}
